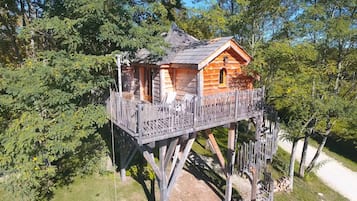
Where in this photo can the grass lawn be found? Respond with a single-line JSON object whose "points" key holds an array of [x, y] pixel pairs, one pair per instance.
{"points": [[100, 188], [308, 190], [305, 189], [94, 188]]}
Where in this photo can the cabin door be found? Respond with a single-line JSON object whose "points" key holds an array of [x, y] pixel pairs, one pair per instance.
{"points": [[146, 75]]}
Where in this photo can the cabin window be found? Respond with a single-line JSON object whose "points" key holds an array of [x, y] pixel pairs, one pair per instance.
{"points": [[223, 77]]}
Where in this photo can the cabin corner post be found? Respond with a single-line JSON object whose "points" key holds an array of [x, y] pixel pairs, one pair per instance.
{"points": [[232, 140]]}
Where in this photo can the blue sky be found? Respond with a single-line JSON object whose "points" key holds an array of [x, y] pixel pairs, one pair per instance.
{"points": [[194, 4]]}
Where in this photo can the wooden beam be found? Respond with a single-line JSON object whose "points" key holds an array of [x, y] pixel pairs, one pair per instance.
{"points": [[170, 151], [216, 148], [175, 157], [230, 160], [256, 170], [150, 159], [163, 180], [119, 75], [181, 163]]}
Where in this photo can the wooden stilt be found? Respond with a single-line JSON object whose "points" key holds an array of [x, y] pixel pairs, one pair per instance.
{"points": [[170, 151], [230, 160], [163, 180], [178, 150], [181, 163], [150, 159], [256, 170], [216, 148], [126, 153]]}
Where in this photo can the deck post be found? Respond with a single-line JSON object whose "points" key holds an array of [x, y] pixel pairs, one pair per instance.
{"points": [[230, 160], [256, 170], [163, 180], [236, 104], [139, 109], [119, 75]]}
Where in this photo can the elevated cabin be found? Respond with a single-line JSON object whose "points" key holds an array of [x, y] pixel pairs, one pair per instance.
{"points": [[190, 66], [196, 85]]}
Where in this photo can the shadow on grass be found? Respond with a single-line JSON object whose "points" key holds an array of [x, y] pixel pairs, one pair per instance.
{"points": [[199, 168]]}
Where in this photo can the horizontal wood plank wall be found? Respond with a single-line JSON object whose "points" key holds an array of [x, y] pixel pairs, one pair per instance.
{"points": [[156, 98], [136, 89], [169, 80], [185, 82], [235, 78]]}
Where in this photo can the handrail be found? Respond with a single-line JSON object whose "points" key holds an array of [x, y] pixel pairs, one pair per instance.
{"points": [[145, 120]]}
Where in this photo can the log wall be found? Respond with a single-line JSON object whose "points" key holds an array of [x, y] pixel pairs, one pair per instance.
{"points": [[185, 82], [235, 78]]}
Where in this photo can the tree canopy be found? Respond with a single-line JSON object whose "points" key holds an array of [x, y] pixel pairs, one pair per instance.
{"points": [[56, 61]]}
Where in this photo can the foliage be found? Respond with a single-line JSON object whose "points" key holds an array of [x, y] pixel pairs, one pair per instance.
{"points": [[54, 107]]}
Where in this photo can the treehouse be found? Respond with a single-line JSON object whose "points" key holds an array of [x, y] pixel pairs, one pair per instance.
{"points": [[164, 101], [190, 66]]}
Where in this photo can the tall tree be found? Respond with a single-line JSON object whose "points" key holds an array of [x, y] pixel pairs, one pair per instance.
{"points": [[52, 102]]}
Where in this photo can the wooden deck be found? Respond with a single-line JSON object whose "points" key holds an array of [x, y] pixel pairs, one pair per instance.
{"points": [[148, 122]]}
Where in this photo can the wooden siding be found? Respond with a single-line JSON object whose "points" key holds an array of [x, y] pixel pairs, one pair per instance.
{"points": [[156, 96], [235, 78], [185, 82], [169, 80], [152, 122], [136, 84]]}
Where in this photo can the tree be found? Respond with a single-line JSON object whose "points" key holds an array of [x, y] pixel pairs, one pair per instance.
{"points": [[52, 102]]}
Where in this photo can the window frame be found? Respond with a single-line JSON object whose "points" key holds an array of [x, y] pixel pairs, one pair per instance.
{"points": [[222, 77]]}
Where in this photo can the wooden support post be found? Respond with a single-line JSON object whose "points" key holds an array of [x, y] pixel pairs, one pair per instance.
{"points": [[181, 163], [150, 159], [170, 151], [254, 173], [216, 148], [230, 160], [119, 75], [122, 165], [175, 157], [256, 170], [163, 180]]}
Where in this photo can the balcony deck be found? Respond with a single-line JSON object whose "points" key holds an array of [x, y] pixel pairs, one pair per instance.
{"points": [[148, 122]]}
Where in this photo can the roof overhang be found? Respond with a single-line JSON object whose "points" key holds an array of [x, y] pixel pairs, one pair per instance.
{"points": [[229, 44]]}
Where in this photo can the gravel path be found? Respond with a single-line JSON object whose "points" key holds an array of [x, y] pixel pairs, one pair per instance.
{"points": [[332, 173]]}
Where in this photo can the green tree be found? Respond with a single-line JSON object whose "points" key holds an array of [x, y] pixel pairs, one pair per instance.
{"points": [[52, 102]]}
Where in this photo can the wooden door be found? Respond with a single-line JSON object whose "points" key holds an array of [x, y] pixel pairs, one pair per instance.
{"points": [[146, 83]]}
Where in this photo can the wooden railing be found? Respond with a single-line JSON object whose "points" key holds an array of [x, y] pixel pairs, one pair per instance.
{"points": [[150, 122]]}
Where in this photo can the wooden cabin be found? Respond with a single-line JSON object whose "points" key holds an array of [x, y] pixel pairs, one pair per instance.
{"points": [[190, 66], [197, 85]]}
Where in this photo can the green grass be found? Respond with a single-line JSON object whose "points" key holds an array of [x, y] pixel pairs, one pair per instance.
{"points": [[352, 165], [100, 188], [94, 187], [5, 195], [305, 189]]}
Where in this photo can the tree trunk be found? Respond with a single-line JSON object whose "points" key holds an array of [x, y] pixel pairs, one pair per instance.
{"points": [[303, 155], [292, 163], [321, 146], [317, 154]]}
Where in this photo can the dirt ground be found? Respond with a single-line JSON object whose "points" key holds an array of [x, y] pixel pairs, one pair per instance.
{"points": [[201, 181], [189, 188]]}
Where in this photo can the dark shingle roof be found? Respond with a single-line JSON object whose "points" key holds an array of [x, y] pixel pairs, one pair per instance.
{"points": [[185, 49]]}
